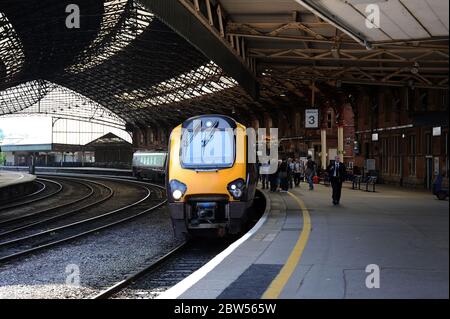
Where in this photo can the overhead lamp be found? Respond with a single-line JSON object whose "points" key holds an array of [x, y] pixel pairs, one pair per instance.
{"points": [[415, 68], [335, 52]]}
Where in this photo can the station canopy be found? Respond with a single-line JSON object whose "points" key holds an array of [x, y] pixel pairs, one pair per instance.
{"points": [[125, 59]]}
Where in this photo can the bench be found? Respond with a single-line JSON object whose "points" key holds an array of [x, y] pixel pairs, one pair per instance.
{"points": [[371, 181], [356, 182]]}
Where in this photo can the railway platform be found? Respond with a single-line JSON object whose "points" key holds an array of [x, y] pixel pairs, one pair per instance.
{"points": [[13, 184], [72, 170], [389, 244]]}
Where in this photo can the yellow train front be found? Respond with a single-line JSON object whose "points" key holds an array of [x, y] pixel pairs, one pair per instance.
{"points": [[210, 182]]}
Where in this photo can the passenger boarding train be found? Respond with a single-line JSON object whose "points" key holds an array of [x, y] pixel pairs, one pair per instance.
{"points": [[210, 183]]}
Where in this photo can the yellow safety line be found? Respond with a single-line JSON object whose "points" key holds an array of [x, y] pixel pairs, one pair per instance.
{"points": [[277, 285]]}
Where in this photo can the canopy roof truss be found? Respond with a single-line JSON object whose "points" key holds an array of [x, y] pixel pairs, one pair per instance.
{"points": [[130, 63]]}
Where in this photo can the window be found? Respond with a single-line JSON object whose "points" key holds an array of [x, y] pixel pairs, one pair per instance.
{"points": [[446, 155], [366, 114], [298, 123], [412, 155], [150, 159], [385, 155], [388, 107], [396, 155], [330, 120], [423, 100], [444, 100], [428, 144]]}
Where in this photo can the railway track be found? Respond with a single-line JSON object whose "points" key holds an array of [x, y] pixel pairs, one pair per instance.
{"points": [[166, 271], [44, 239], [171, 268]]}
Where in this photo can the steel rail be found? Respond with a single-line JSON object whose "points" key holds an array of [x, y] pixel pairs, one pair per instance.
{"points": [[121, 285]]}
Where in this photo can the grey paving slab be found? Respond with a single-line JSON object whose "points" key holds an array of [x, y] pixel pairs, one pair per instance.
{"points": [[319, 282], [280, 249], [252, 283]]}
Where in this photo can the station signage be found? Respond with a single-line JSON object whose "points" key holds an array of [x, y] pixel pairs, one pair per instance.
{"points": [[437, 131], [312, 118], [375, 137]]}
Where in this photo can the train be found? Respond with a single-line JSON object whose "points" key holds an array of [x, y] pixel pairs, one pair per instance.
{"points": [[150, 165], [210, 182]]}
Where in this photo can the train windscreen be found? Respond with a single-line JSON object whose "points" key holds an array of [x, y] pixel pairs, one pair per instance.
{"points": [[207, 148]]}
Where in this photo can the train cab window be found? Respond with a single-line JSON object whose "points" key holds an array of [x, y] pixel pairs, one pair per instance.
{"points": [[207, 147]]}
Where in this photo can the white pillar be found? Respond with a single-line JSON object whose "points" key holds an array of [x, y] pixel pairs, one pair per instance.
{"points": [[323, 139], [341, 142]]}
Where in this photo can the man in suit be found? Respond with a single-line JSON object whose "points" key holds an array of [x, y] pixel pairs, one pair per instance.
{"points": [[336, 172]]}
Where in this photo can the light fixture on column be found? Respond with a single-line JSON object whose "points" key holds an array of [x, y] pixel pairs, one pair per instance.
{"points": [[415, 68], [335, 52]]}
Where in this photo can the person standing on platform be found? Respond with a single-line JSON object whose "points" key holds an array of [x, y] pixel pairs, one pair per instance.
{"points": [[274, 180], [284, 176], [310, 172], [336, 172], [291, 164], [297, 172], [264, 170]]}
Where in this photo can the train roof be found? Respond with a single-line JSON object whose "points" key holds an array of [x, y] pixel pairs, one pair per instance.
{"points": [[226, 118], [149, 152]]}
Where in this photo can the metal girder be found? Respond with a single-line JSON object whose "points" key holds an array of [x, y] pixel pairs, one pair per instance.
{"points": [[324, 49], [187, 20], [436, 78], [321, 12], [401, 56]]}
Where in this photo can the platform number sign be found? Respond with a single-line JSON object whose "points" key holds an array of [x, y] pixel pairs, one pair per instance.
{"points": [[312, 118]]}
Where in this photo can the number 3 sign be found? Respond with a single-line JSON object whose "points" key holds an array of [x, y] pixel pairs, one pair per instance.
{"points": [[312, 118]]}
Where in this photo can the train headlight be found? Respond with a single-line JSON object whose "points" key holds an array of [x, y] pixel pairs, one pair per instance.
{"points": [[177, 194], [177, 189], [236, 188]]}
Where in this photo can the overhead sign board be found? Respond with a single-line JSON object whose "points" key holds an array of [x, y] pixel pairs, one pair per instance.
{"points": [[312, 118], [437, 131]]}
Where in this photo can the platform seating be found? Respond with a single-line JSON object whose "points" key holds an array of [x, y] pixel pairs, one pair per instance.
{"points": [[356, 181], [371, 182]]}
